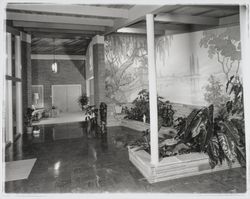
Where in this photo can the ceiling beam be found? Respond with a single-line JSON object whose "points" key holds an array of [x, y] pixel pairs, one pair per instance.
{"points": [[72, 9], [59, 31], [138, 31], [230, 20], [138, 13], [187, 19], [232, 8], [57, 26], [58, 19], [161, 26], [12, 30], [60, 36], [57, 57]]}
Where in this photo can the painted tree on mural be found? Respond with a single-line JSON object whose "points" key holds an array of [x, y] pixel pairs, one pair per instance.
{"points": [[214, 92], [225, 46], [162, 49], [121, 52]]}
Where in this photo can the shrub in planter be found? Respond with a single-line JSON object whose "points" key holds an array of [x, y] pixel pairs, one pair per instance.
{"points": [[140, 109]]}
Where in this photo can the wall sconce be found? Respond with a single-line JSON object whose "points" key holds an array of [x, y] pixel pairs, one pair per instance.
{"points": [[54, 67]]}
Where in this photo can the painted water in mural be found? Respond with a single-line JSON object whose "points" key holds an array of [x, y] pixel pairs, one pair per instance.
{"points": [[192, 68]]}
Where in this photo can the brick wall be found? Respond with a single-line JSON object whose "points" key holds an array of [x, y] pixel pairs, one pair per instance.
{"points": [[99, 73], [26, 75], [70, 72]]}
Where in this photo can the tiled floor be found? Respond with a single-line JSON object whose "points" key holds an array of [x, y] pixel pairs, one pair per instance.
{"points": [[70, 161]]}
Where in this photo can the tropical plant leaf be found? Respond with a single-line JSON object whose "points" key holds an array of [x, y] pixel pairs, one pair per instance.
{"points": [[233, 133], [207, 131], [229, 82], [228, 147], [213, 152]]}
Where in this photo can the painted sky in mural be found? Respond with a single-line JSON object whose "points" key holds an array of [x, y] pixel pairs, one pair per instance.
{"points": [[183, 71]]}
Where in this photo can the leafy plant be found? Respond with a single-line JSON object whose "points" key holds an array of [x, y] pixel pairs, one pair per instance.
{"points": [[167, 113], [83, 101], [141, 108], [29, 117], [221, 138], [214, 92]]}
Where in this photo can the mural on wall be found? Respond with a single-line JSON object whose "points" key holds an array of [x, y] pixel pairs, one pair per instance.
{"points": [[197, 65], [192, 68], [126, 66], [224, 45]]}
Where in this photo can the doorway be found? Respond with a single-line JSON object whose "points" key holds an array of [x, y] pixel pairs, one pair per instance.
{"points": [[65, 97]]}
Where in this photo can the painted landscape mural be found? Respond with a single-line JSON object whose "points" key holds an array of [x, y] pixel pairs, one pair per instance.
{"points": [[197, 65], [192, 68], [126, 66]]}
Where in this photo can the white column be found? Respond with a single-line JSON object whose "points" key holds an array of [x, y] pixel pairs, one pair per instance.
{"points": [[9, 110], [245, 60], [152, 90], [18, 70]]}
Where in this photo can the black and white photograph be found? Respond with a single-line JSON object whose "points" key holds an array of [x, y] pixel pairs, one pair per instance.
{"points": [[125, 97]]}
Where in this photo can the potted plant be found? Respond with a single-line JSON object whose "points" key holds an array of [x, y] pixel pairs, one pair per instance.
{"points": [[53, 111], [29, 118], [83, 101]]}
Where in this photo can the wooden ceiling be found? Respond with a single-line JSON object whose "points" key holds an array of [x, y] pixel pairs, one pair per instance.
{"points": [[75, 25]]}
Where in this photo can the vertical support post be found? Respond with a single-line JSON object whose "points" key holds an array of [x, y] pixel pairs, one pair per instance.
{"points": [[152, 90], [18, 69], [245, 43], [98, 69], [9, 111]]}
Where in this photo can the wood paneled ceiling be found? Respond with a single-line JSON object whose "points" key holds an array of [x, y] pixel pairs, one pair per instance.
{"points": [[73, 26]]}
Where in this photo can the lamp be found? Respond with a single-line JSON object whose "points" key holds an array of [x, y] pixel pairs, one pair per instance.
{"points": [[36, 97], [54, 64]]}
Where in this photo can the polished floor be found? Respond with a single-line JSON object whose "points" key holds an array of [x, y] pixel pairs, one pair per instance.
{"points": [[67, 117], [71, 161]]}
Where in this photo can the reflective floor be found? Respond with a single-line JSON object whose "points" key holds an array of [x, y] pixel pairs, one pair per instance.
{"points": [[70, 160]]}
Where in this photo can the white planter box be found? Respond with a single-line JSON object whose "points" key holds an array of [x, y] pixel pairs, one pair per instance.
{"points": [[173, 167]]}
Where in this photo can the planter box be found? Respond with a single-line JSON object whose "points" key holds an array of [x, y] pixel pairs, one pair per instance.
{"points": [[173, 167], [141, 126]]}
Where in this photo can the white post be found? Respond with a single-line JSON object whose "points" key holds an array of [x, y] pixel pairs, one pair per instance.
{"points": [[152, 90], [9, 111], [245, 60], [18, 70]]}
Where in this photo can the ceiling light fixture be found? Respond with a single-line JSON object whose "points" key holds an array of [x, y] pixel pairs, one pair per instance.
{"points": [[54, 64]]}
